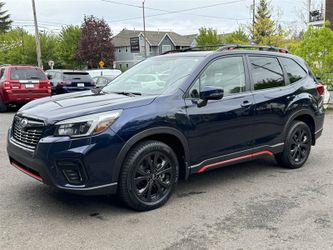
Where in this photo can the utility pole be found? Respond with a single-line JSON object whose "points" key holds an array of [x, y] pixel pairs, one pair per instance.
{"points": [[144, 27], [253, 18], [38, 50], [309, 12]]}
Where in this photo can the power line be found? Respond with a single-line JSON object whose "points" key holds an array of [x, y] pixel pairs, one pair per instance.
{"points": [[184, 10], [167, 12], [40, 21]]}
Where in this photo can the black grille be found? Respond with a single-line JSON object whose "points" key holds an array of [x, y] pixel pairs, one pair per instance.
{"points": [[27, 131]]}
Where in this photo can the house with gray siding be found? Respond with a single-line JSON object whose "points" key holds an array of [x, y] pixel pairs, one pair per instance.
{"points": [[157, 43]]}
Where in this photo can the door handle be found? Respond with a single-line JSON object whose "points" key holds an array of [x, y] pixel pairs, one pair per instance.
{"points": [[246, 104]]}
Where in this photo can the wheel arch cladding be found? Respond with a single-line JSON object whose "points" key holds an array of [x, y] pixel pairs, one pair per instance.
{"points": [[308, 119], [170, 136], [305, 116]]}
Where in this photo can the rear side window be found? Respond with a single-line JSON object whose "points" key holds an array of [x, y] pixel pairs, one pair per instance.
{"points": [[77, 76], [266, 72], [2, 73], [26, 74], [294, 71]]}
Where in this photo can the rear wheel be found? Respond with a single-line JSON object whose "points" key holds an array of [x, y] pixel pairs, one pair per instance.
{"points": [[3, 106], [297, 146], [148, 176]]}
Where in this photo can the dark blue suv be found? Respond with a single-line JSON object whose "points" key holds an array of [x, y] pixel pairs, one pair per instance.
{"points": [[67, 81], [168, 117]]}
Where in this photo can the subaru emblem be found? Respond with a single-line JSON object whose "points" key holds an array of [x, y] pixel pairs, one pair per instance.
{"points": [[23, 123]]}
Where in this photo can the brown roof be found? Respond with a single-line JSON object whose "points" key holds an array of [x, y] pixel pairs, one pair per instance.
{"points": [[153, 37]]}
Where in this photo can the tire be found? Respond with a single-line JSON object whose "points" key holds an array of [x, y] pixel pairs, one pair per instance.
{"points": [[3, 107], [297, 146], [144, 184]]}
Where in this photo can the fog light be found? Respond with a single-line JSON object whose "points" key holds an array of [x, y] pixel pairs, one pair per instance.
{"points": [[73, 171]]}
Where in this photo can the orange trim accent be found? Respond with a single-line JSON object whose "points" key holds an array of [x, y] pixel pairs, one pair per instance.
{"points": [[234, 159], [38, 178]]}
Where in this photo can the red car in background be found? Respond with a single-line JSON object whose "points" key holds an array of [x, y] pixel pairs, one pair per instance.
{"points": [[21, 84]]}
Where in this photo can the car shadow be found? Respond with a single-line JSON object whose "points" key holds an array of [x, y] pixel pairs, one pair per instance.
{"points": [[52, 202], [13, 109]]}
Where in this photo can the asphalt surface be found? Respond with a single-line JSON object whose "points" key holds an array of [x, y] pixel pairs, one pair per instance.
{"points": [[255, 205]]}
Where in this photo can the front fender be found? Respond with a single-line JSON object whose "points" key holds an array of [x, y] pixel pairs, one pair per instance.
{"points": [[144, 134]]}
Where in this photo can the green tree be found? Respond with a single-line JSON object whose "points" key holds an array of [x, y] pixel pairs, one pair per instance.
{"points": [[67, 47], [237, 37], [49, 46], [208, 37], [317, 50], [265, 31], [5, 21], [17, 47]]}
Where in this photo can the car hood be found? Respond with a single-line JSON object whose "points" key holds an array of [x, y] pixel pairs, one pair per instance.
{"points": [[66, 106]]}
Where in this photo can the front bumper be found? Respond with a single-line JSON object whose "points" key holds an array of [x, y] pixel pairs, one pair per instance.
{"points": [[93, 158]]}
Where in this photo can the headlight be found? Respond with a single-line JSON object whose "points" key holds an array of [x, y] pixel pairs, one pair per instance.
{"points": [[86, 125]]}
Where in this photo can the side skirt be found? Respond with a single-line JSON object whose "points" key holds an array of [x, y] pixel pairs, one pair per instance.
{"points": [[237, 157]]}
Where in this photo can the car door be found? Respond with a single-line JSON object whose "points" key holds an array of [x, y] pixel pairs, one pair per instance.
{"points": [[222, 126], [272, 94]]}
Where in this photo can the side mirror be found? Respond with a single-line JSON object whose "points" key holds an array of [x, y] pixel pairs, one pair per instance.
{"points": [[210, 93]]}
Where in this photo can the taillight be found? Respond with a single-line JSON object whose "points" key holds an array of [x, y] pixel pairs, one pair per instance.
{"points": [[283, 51], [320, 89], [6, 86]]}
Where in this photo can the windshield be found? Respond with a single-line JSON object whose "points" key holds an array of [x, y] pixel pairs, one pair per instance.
{"points": [[153, 76], [27, 74]]}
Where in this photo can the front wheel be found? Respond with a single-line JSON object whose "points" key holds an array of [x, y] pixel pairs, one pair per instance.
{"points": [[148, 176], [297, 146]]}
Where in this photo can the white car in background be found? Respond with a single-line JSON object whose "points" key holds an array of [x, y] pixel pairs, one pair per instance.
{"points": [[104, 72], [327, 97]]}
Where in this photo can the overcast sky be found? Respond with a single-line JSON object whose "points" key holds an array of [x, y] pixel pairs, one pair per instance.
{"points": [[224, 15]]}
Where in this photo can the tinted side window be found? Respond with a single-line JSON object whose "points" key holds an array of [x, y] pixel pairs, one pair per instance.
{"points": [[227, 73], [294, 71], [2, 73], [266, 72]]}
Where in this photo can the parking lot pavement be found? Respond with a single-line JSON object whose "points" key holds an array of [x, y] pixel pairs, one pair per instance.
{"points": [[255, 205]]}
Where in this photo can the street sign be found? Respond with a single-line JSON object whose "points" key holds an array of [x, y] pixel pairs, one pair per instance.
{"points": [[51, 64], [101, 64], [135, 44]]}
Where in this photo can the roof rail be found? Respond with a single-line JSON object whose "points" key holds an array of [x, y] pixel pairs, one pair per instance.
{"points": [[258, 47], [198, 48], [223, 47]]}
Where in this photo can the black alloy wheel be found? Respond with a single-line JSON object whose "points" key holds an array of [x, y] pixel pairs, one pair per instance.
{"points": [[153, 177], [148, 175], [297, 146], [300, 145]]}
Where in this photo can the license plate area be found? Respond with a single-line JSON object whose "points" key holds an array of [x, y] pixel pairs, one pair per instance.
{"points": [[80, 85], [29, 86]]}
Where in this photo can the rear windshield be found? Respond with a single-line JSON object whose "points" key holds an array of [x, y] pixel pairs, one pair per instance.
{"points": [[27, 74], [77, 76]]}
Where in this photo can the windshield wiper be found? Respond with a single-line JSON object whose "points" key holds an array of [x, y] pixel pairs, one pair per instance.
{"points": [[98, 91], [127, 93]]}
